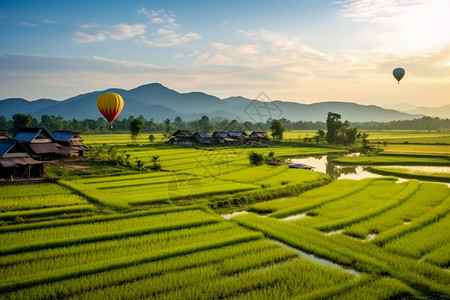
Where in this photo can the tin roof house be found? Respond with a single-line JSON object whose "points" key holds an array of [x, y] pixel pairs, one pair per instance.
{"points": [[222, 137], [204, 138], [71, 142], [39, 143], [17, 162]]}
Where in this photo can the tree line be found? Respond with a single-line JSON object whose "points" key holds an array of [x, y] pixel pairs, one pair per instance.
{"points": [[204, 124]]}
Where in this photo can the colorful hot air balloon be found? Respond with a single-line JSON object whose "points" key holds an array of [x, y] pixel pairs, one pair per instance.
{"points": [[110, 105], [398, 73]]}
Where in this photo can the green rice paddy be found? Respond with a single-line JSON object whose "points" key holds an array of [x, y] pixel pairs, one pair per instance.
{"points": [[124, 233]]}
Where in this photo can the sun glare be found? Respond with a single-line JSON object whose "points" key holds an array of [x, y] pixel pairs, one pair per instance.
{"points": [[422, 27]]}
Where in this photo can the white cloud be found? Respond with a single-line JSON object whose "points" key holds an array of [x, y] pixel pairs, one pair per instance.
{"points": [[126, 63], [98, 33], [25, 24], [168, 19], [167, 38], [167, 33], [374, 11]]}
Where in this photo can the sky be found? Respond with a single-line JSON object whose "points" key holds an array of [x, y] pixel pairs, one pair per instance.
{"points": [[291, 50]]}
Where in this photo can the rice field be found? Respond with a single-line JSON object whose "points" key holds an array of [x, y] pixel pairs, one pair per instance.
{"points": [[160, 235]]}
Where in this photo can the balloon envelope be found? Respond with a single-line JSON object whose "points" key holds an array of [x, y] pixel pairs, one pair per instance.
{"points": [[110, 105], [399, 73]]}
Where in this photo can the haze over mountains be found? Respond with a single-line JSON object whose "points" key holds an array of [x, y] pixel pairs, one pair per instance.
{"points": [[159, 102]]}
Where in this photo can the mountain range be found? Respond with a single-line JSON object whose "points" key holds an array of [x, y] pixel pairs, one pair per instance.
{"points": [[157, 102]]}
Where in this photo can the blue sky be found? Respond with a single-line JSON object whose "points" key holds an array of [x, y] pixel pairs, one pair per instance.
{"points": [[303, 51]]}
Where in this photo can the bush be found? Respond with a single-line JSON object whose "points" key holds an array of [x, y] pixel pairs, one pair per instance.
{"points": [[256, 159]]}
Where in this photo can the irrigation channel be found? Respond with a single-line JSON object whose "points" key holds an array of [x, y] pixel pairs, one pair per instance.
{"points": [[324, 164]]}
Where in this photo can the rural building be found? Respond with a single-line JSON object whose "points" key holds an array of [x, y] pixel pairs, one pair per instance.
{"points": [[3, 135], [40, 143], [71, 142], [17, 161], [258, 137], [182, 137], [204, 138], [238, 137], [185, 137], [221, 137]]}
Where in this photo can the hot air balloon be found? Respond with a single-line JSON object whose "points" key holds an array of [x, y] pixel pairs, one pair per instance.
{"points": [[110, 105], [398, 73]]}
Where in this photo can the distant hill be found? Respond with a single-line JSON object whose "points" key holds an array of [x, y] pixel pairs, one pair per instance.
{"points": [[159, 102], [441, 112]]}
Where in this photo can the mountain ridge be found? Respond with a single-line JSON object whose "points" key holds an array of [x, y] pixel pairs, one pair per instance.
{"points": [[157, 102]]}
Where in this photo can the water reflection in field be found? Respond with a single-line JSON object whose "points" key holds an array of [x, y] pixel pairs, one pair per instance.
{"points": [[324, 164]]}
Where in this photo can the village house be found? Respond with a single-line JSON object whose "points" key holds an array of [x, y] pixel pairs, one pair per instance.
{"points": [[221, 137], [71, 142], [258, 137], [182, 137], [17, 162], [40, 143], [204, 138], [239, 137], [185, 137]]}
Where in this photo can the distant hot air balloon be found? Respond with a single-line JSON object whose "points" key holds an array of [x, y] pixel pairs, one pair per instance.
{"points": [[110, 105], [398, 73]]}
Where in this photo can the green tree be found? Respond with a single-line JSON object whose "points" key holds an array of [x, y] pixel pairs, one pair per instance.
{"points": [[320, 136], [151, 138], [277, 129], [178, 122], [136, 127], [334, 125], [205, 124], [338, 132], [235, 125], [20, 121], [3, 123], [167, 125]]}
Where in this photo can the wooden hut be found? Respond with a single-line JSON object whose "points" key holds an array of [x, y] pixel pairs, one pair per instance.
{"points": [[71, 142], [182, 137], [221, 137], [258, 137], [17, 162], [40, 143], [239, 137], [204, 138]]}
